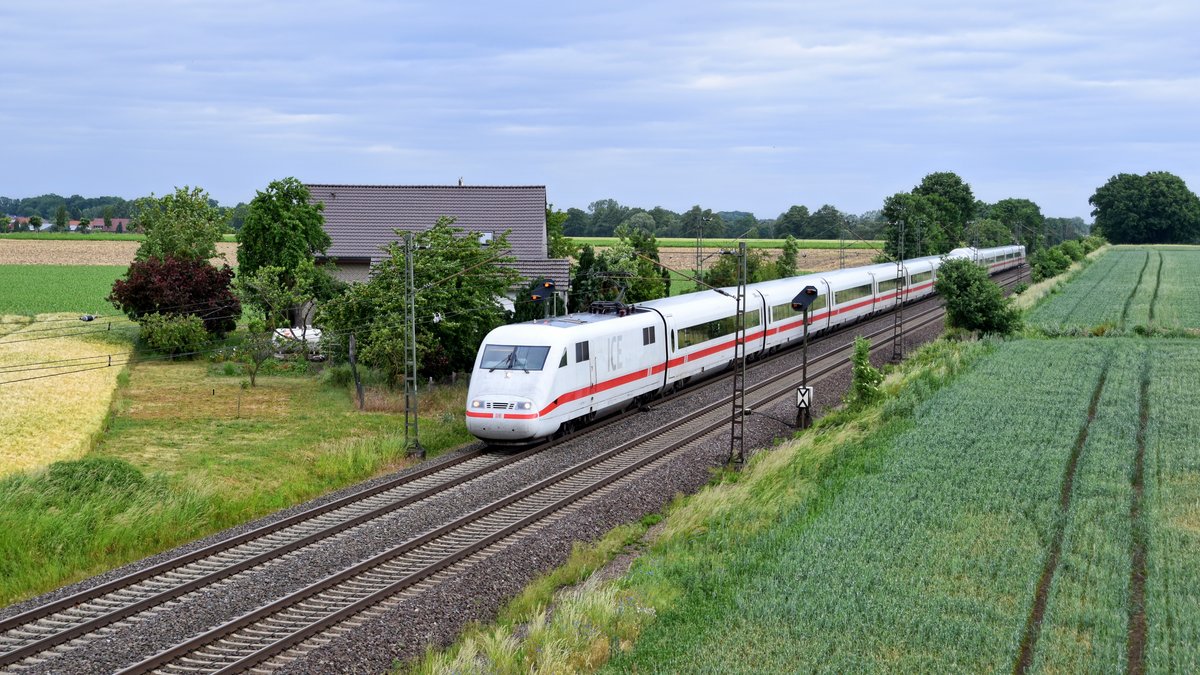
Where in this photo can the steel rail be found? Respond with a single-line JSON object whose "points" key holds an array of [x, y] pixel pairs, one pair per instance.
{"points": [[222, 659]]}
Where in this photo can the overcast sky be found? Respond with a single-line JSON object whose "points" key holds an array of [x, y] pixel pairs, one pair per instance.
{"points": [[735, 106]]}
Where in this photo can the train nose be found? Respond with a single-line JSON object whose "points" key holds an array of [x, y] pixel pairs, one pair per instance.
{"points": [[503, 418]]}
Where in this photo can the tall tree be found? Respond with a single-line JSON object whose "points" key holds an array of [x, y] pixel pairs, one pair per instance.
{"points": [[108, 211], [182, 225], [61, 218], [794, 221], [455, 310], [920, 219], [1024, 219], [1157, 208], [282, 228], [959, 206], [826, 222]]}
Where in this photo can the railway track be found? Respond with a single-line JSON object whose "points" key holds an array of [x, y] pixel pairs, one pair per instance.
{"points": [[266, 635], [31, 637]]}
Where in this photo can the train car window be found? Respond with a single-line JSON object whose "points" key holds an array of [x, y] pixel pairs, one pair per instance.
{"points": [[848, 294], [648, 335], [711, 330], [512, 357], [923, 276], [888, 285], [581, 352], [785, 311], [562, 363]]}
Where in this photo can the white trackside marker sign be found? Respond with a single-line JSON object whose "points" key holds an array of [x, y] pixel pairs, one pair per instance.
{"points": [[804, 397]]}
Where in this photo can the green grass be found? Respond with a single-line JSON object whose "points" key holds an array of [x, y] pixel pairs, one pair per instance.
{"points": [[1127, 290], [209, 455], [682, 242], [38, 289]]}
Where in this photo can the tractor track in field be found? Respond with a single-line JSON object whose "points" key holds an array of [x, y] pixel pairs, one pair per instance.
{"points": [[1157, 285], [1136, 645], [1037, 612], [1132, 293]]}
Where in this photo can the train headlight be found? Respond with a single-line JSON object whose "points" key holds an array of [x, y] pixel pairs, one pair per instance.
{"points": [[526, 405], [476, 404]]}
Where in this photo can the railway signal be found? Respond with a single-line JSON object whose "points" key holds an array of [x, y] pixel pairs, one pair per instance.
{"points": [[542, 290], [803, 300]]}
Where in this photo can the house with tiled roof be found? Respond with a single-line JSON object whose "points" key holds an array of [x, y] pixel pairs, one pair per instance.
{"points": [[362, 219]]}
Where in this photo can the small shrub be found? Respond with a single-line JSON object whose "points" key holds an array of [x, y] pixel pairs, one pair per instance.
{"points": [[1020, 288], [864, 388], [1073, 250], [173, 286], [174, 335], [1047, 263]]}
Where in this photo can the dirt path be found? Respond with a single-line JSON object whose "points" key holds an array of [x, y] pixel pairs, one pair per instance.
{"points": [[74, 252]]}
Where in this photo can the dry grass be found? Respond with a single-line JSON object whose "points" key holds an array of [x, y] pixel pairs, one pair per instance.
{"points": [[813, 259], [73, 252], [54, 418]]}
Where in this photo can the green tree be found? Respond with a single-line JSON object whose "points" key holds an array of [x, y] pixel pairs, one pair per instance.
{"points": [[785, 265], [282, 228], [919, 215], [724, 272], [84, 225], [1157, 208], [1024, 219], [35, 222], [459, 284], [558, 245], [586, 282], [61, 218], [181, 225], [108, 216], [792, 222], [987, 232], [959, 204], [973, 301]]}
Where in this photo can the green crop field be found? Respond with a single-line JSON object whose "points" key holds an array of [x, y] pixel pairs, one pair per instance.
{"points": [[667, 242], [1126, 288], [39, 289], [931, 558]]}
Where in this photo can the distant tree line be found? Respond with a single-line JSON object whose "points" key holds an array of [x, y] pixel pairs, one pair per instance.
{"points": [[604, 217], [57, 209]]}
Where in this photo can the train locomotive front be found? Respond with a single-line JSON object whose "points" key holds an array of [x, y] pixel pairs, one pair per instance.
{"points": [[513, 375]]}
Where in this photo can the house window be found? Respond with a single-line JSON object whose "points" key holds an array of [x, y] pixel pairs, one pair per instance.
{"points": [[581, 352], [485, 238]]}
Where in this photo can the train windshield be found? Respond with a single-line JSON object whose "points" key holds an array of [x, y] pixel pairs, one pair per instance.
{"points": [[509, 357]]}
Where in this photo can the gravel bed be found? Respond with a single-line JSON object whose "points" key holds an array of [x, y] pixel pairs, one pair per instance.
{"points": [[436, 617]]}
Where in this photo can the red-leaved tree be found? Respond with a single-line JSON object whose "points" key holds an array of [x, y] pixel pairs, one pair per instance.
{"points": [[180, 287]]}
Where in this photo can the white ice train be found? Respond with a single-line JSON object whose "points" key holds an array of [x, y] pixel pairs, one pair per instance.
{"points": [[536, 378]]}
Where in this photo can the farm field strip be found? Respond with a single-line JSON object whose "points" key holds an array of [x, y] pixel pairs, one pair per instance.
{"points": [[1085, 625], [933, 559], [1177, 304], [1172, 509], [1128, 288], [29, 290]]}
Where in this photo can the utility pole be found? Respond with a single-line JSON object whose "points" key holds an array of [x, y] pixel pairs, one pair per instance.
{"points": [[842, 246], [898, 321], [737, 440], [412, 439]]}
